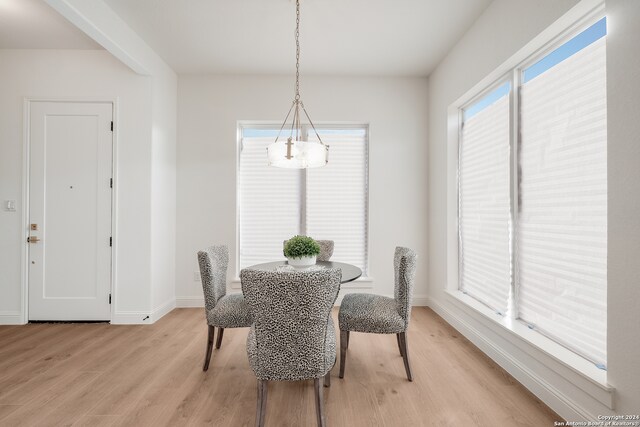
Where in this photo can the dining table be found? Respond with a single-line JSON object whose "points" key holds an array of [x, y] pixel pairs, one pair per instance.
{"points": [[350, 272]]}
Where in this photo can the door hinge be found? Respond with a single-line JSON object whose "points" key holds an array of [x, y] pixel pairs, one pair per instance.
{"points": [[111, 183], [110, 241], [109, 298], [112, 126]]}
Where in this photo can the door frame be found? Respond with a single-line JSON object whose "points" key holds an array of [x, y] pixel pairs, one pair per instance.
{"points": [[26, 173]]}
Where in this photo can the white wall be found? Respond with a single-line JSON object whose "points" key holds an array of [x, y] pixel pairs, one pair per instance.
{"points": [[163, 192], [208, 110], [503, 29], [145, 181], [623, 103], [85, 74]]}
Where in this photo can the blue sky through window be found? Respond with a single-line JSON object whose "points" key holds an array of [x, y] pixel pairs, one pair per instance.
{"points": [[576, 44], [579, 42], [272, 133], [499, 92], [346, 131], [260, 133]]}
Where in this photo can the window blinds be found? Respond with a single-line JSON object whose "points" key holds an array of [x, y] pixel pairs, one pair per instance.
{"points": [[269, 199], [484, 206], [330, 202], [336, 196], [561, 235]]}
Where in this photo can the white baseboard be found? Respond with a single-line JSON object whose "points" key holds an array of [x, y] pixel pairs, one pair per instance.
{"points": [[131, 318], [163, 309], [420, 301], [186, 302], [564, 403], [119, 318], [198, 301], [11, 318]]}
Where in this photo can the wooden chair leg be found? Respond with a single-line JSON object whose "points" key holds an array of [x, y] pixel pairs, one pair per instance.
{"points": [[262, 403], [344, 343], [327, 379], [319, 402], [207, 357], [399, 344], [219, 340], [405, 354]]}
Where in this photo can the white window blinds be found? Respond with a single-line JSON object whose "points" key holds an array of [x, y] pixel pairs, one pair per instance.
{"points": [[561, 235], [269, 203], [484, 205], [329, 203], [336, 196]]}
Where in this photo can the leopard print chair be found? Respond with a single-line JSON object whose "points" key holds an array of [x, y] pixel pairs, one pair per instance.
{"points": [[326, 249], [223, 311], [293, 337], [381, 315]]}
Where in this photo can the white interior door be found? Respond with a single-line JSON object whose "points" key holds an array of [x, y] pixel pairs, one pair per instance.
{"points": [[70, 210]]}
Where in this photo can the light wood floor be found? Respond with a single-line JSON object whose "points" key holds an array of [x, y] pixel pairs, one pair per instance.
{"points": [[99, 375]]}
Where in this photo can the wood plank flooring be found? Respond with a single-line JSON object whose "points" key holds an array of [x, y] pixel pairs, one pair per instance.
{"points": [[151, 375]]}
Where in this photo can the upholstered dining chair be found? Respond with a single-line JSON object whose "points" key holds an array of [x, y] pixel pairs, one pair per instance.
{"points": [[223, 311], [293, 337], [381, 315], [326, 249]]}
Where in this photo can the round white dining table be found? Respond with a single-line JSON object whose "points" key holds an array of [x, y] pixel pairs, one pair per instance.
{"points": [[349, 272]]}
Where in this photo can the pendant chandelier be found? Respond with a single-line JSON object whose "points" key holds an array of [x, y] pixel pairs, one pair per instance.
{"points": [[293, 152]]}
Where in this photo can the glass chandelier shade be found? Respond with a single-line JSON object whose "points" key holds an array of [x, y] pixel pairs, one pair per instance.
{"points": [[294, 152], [302, 154]]}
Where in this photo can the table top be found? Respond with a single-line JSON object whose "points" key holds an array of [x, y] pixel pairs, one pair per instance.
{"points": [[349, 272]]}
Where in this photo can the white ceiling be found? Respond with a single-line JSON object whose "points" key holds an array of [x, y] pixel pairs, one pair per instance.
{"points": [[353, 37], [31, 24]]}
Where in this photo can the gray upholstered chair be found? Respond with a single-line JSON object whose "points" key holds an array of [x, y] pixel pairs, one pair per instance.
{"points": [[326, 249], [293, 337], [223, 311], [381, 315]]}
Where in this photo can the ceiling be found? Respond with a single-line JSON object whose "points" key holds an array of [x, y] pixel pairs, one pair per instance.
{"points": [[338, 37], [31, 24]]}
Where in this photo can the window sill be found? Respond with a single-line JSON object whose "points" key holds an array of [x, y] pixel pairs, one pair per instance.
{"points": [[595, 383]]}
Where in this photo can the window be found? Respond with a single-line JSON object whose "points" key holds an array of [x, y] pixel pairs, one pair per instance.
{"points": [[330, 202], [484, 202], [532, 189]]}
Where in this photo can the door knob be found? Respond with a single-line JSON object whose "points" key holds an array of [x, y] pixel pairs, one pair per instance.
{"points": [[33, 239]]}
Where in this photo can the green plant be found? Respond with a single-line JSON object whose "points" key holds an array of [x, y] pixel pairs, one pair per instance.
{"points": [[301, 246]]}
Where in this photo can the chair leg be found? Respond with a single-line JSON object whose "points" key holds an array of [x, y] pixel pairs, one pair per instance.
{"points": [[207, 357], [405, 354], [344, 343], [399, 344], [319, 402], [219, 340], [327, 379], [262, 403]]}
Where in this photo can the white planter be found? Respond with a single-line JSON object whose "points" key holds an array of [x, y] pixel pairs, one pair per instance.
{"points": [[303, 262]]}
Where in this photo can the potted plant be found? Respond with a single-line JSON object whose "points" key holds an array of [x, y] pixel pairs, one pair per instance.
{"points": [[301, 251]]}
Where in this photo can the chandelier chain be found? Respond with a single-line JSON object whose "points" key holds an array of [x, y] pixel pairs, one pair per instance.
{"points": [[297, 50], [299, 151]]}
